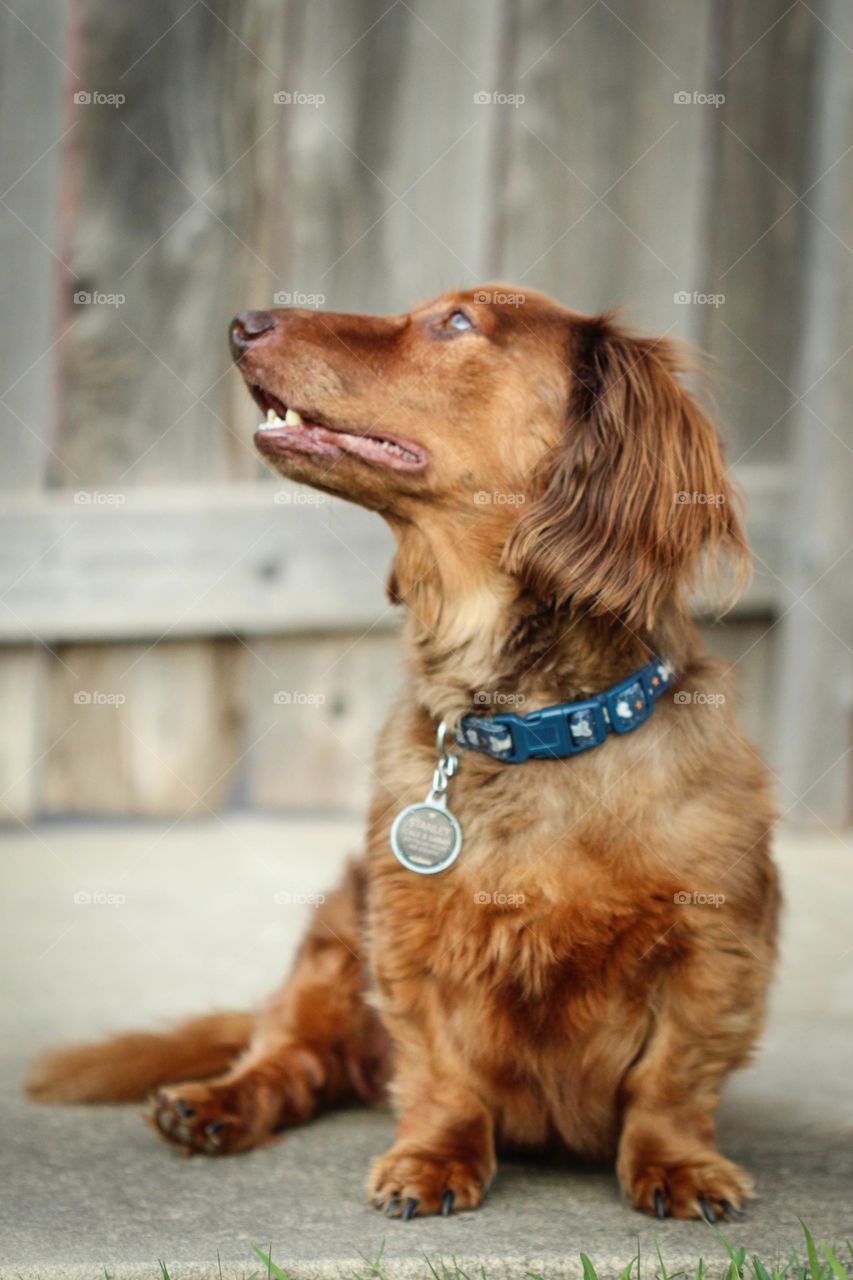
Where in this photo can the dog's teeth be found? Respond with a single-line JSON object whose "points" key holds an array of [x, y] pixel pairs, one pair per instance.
{"points": [[292, 418], [272, 421]]}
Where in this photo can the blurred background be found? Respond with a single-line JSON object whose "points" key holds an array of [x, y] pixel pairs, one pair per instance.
{"points": [[183, 634]]}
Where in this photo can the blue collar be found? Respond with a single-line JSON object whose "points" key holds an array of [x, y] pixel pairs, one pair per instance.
{"points": [[571, 727]]}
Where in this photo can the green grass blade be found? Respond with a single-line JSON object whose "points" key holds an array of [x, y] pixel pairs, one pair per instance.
{"points": [[374, 1265], [664, 1276], [589, 1272], [836, 1266], [814, 1264], [626, 1273], [272, 1269]]}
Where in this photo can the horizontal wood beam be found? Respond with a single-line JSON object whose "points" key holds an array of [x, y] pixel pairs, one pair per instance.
{"points": [[252, 558]]}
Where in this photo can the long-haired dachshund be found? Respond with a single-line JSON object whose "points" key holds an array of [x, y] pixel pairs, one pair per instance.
{"points": [[563, 925]]}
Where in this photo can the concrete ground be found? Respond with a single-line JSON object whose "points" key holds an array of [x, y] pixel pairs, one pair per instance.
{"points": [[83, 1189]]}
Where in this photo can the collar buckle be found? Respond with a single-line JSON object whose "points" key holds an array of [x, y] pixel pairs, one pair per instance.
{"points": [[547, 734], [573, 727]]}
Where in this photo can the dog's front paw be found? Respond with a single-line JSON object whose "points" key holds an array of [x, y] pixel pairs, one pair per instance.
{"points": [[203, 1118], [407, 1180], [240, 1111], [709, 1187]]}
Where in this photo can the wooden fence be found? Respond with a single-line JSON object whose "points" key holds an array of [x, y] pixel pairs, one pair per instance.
{"points": [[180, 631]]}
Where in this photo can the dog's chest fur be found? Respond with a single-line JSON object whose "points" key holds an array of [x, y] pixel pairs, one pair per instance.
{"points": [[539, 946]]}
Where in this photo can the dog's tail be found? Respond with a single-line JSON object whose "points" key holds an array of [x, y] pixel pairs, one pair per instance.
{"points": [[126, 1067]]}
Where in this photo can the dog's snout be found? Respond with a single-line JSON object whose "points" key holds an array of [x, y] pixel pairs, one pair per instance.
{"points": [[246, 326]]}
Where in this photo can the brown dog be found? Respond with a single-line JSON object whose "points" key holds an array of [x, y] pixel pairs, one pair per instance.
{"points": [[551, 486]]}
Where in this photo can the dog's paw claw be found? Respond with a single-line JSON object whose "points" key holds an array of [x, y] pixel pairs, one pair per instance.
{"points": [[712, 1189], [422, 1184]]}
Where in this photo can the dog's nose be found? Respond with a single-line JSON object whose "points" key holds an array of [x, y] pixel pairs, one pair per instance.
{"points": [[246, 326]]}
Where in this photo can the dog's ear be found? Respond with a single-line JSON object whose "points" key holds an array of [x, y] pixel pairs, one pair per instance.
{"points": [[635, 493]]}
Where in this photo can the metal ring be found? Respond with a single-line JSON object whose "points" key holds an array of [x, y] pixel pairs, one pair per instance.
{"points": [[440, 734]]}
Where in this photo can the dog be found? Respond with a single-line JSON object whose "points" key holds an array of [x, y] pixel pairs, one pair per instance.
{"points": [[569, 945]]}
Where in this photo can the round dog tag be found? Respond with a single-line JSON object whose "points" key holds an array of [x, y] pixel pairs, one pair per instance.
{"points": [[426, 837]]}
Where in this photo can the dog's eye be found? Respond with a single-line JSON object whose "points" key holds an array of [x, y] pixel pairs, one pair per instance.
{"points": [[458, 321]]}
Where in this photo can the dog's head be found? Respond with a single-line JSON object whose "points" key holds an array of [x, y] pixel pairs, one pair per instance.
{"points": [[558, 447]]}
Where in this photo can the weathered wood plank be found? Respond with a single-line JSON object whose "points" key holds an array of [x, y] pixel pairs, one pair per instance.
{"points": [[31, 85], [189, 562], [252, 559], [22, 687], [607, 176], [169, 206], [814, 718], [755, 231], [32, 52], [143, 730], [314, 709], [388, 181]]}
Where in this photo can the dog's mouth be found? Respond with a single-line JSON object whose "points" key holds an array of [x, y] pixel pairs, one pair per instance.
{"points": [[286, 431]]}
